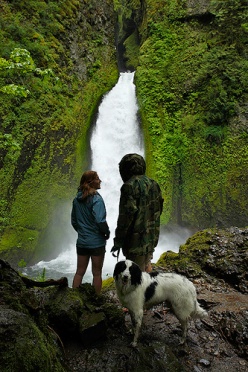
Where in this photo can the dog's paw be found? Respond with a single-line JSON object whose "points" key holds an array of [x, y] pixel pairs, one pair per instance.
{"points": [[133, 344], [130, 331], [182, 341]]}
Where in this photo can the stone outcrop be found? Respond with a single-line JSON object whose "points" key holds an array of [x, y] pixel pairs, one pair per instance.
{"points": [[36, 322], [213, 253], [197, 8]]}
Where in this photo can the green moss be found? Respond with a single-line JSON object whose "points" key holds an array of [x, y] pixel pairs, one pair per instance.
{"points": [[132, 51], [173, 261], [108, 284], [199, 241], [192, 255], [30, 349], [17, 243], [15, 238]]}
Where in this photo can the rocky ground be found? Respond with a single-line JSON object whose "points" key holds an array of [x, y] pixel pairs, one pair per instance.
{"points": [[47, 326], [208, 345]]}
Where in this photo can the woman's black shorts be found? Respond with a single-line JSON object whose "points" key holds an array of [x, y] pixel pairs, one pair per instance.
{"points": [[91, 251]]}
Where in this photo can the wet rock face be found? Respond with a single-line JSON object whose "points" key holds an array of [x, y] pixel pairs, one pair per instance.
{"points": [[213, 253], [228, 257], [197, 7], [77, 331], [95, 21]]}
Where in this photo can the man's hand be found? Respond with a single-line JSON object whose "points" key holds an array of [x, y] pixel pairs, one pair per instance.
{"points": [[107, 235]]}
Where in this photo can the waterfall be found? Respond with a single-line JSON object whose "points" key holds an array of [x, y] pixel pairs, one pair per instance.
{"points": [[115, 133]]}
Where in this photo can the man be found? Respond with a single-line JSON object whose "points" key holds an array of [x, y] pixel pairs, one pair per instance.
{"points": [[140, 207]]}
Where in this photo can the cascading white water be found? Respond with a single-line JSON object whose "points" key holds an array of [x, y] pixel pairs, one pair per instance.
{"points": [[116, 133]]}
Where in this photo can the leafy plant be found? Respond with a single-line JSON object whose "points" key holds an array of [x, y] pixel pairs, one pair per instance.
{"points": [[22, 263], [42, 276], [214, 134], [19, 64]]}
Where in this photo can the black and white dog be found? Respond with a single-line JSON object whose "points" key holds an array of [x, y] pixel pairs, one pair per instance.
{"points": [[139, 290]]}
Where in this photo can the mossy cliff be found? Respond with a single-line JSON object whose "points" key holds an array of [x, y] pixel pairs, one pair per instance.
{"points": [[44, 133], [191, 76]]}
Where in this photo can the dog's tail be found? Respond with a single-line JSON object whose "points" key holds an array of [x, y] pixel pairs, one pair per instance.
{"points": [[199, 311]]}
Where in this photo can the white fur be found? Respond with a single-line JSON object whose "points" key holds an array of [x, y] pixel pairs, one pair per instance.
{"points": [[170, 287]]}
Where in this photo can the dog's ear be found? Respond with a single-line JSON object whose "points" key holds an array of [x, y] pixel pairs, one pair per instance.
{"points": [[119, 268], [153, 274], [136, 274]]}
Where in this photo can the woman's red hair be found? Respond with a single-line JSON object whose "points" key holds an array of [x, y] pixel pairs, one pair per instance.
{"points": [[85, 183]]}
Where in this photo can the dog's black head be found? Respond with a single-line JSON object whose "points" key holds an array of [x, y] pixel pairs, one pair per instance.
{"points": [[120, 267], [136, 273], [129, 271]]}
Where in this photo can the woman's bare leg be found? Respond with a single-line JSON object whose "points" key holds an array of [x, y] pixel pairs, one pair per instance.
{"points": [[82, 264], [97, 264]]}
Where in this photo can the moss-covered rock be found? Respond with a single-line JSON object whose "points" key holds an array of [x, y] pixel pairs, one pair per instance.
{"points": [[35, 321], [219, 253], [24, 346]]}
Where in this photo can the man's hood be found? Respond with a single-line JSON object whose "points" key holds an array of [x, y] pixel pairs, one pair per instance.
{"points": [[131, 165]]}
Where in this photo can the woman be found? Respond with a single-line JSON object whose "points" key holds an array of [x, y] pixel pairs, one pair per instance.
{"points": [[88, 217]]}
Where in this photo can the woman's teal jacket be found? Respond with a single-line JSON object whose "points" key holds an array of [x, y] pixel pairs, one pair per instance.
{"points": [[88, 217]]}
